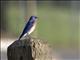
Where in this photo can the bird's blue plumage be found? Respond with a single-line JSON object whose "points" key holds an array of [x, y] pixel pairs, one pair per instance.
{"points": [[28, 26]]}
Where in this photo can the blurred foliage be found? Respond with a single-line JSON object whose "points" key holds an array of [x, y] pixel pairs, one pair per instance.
{"points": [[15, 20], [56, 26], [55, 23]]}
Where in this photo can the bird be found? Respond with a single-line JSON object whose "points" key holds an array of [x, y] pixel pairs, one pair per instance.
{"points": [[29, 27]]}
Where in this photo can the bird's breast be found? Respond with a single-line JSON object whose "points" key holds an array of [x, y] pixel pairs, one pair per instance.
{"points": [[32, 28]]}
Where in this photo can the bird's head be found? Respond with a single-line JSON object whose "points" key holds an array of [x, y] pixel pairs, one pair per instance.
{"points": [[33, 18]]}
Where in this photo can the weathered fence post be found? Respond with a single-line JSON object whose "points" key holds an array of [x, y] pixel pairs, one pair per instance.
{"points": [[29, 49], [20, 50]]}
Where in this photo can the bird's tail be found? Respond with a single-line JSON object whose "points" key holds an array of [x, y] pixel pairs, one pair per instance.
{"points": [[20, 37]]}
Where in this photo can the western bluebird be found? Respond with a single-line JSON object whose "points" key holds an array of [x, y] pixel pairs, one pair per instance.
{"points": [[29, 27]]}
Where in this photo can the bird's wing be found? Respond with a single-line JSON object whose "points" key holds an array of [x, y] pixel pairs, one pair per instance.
{"points": [[26, 29]]}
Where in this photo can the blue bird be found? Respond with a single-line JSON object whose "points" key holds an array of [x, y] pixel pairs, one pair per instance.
{"points": [[29, 27]]}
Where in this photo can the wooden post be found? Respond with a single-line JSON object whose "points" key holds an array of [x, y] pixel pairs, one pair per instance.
{"points": [[20, 50], [29, 49]]}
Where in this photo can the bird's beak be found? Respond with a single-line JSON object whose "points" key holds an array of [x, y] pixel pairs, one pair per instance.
{"points": [[36, 17]]}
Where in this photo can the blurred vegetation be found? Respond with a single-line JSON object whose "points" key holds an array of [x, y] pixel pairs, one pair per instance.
{"points": [[56, 24]]}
